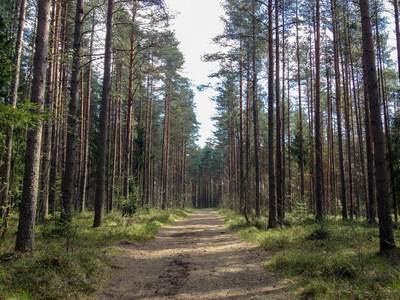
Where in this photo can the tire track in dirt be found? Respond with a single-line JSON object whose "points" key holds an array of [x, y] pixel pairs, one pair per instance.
{"points": [[195, 258]]}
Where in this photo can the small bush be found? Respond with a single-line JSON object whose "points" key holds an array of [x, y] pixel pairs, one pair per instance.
{"points": [[319, 234], [128, 207]]}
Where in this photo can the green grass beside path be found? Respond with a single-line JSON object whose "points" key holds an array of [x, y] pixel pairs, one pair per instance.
{"points": [[329, 260], [70, 263]]}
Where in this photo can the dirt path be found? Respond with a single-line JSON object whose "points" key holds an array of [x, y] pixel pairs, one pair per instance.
{"points": [[195, 258]]}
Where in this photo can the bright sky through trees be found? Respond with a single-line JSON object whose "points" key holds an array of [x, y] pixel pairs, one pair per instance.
{"points": [[196, 23]]}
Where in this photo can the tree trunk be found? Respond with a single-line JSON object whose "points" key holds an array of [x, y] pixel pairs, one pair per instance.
{"points": [[319, 194], [101, 170], [272, 222], [68, 183], [241, 134], [87, 122], [27, 217], [279, 202], [301, 154], [128, 136], [386, 238], [397, 26], [255, 114], [166, 145], [338, 112]]}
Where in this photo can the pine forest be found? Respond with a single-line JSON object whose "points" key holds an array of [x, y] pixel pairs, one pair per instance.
{"points": [[99, 146]]}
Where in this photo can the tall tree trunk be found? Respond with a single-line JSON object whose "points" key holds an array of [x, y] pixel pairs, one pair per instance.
{"points": [[255, 114], [128, 136], [43, 208], [338, 111], [386, 238], [383, 96], [283, 208], [86, 121], [241, 134], [397, 26], [319, 193], [279, 202], [272, 222], [248, 135], [27, 217], [301, 154], [347, 108], [370, 152], [68, 182], [166, 146], [101, 169]]}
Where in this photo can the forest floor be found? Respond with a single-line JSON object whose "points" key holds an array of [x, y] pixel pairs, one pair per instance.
{"points": [[194, 258]]}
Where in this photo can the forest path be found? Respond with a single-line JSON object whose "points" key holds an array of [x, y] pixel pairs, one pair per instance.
{"points": [[194, 258]]}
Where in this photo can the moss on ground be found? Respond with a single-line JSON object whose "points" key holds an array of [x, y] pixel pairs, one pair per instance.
{"points": [[69, 262], [329, 260]]}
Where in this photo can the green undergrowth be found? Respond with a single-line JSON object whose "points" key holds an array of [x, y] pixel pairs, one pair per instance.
{"points": [[329, 260], [71, 262]]}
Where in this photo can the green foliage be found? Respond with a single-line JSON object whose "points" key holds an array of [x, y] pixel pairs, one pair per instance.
{"points": [[6, 56], [128, 207], [52, 272], [330, 260], [21, 116]]}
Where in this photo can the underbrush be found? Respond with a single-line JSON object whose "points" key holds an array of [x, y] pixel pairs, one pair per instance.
{"points": [[69, 262], [328, 260]]}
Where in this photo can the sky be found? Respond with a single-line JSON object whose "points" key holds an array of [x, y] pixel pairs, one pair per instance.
{"points": [[197, 22]]}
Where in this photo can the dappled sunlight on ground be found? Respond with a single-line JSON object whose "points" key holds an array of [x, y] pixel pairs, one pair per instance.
{"points": [[195, 258]]}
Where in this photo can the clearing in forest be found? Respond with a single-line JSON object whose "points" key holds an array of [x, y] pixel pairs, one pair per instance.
{"points": [[195, 258]]}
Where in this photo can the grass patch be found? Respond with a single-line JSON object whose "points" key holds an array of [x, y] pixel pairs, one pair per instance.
{"points": [[328, 260], [69, 263]]}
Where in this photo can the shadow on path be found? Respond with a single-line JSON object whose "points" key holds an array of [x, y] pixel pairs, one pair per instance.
{"points": [[195, 258]]}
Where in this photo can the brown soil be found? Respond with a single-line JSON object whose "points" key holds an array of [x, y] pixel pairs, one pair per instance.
{"points": [[195, 258]]}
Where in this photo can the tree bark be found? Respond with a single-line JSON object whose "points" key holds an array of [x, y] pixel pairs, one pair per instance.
{"points": [[27, 217], [86, 121], [279, 202], [301, 154], [101, 170], [255, 113], [272, 222], [68, 182], [319, 194], [386, 238], [338, 112]]}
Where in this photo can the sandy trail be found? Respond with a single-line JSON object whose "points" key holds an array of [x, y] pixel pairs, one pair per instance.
{"points": [[195, 258]]}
